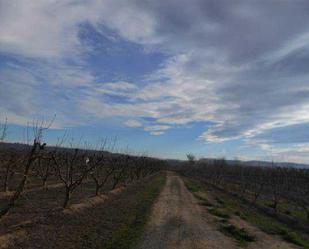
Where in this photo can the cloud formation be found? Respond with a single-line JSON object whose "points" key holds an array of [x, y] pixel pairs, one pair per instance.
{"points": [[241, 66], [133, 123]]}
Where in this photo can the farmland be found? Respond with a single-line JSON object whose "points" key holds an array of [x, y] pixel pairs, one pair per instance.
{"points": [[74, 195], [78, 197]]}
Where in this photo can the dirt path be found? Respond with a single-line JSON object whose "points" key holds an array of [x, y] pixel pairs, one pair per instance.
{"points": [[177, 221]]}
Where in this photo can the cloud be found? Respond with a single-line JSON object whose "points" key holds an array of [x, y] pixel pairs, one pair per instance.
{"points": [[23, 101], [52, 29], [133, 123], [25, 97], [156, 133], [117, 88], [283, 153], [46, 41], [234, 65], [157, 128], [288, 134]]}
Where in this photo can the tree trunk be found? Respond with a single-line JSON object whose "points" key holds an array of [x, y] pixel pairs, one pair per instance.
{"points": [[307, 213], [97, 189], [255, 198], [6, 179], [115, 184], [5, 184], [275, 206], [44, 183], [21, 185], [67, 197]]}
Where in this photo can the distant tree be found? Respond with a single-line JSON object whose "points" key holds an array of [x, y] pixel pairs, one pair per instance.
{"points": [[9, 162], [43, 168], [3, 130], [191, 159], [101, 170], [27, 163], [71, 167], [28, 159]]}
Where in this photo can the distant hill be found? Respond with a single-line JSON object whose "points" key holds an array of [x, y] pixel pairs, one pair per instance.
{"points": [[176, 162], [261, 163], [280, 164]]}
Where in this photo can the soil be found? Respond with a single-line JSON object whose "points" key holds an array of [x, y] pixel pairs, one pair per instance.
{"points": [[179, 221]]}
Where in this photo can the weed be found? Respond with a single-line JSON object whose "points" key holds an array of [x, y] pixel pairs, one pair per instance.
{"points": [[223, 220], [127, 235], [266, 223], [220, 201], [193, 186], [218, 213], [205, 203], [292, 237], [202, 200], [240, 234]]}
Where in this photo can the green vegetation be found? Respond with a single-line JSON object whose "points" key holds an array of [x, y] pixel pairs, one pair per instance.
{"points": [[127, 234], [219, 213], [193, 186], [228, 205], [220, 201], [205, 203], [266, 223], [293, 237], [240, 234]]}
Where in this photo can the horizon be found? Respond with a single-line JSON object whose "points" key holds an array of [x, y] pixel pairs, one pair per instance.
{"points": [[124, 151], [167, 78]]}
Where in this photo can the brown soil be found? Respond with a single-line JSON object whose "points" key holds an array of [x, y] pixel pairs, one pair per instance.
{"points": [[263, 240], [39, 206], [178, 221]]}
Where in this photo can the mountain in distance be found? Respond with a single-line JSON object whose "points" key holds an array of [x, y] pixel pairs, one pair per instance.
{"points": [[261, 163]]}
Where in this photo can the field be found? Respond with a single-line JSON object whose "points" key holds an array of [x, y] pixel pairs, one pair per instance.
{"points": [[73, 198], [268, 202], [76, 198]]}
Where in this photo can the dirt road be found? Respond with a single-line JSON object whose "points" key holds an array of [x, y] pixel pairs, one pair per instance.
{"points": [[177, 221]]}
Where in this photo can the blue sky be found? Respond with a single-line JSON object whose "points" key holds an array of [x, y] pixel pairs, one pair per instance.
{"points": [[213, 78]]}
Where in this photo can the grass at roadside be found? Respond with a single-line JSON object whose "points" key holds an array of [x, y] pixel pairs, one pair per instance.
{"points": [[193, 186], [196, 188], [240, 234], [266, 223], [135, 214], [219, 212], [230, 205], [217, 209]]}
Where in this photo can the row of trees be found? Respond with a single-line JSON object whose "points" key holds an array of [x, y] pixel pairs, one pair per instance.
{"points": [[70, 166], [275, 184]]}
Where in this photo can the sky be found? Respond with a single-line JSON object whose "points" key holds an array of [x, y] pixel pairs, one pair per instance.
{"points": [[216, 78]]}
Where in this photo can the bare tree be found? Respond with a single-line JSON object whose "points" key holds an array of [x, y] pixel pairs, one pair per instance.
{"points": [[10, 161], [71, 166], [117, 165], [101, 171], [43, 168], [3, 130], [36, 148], [32, 156], [191, 159]]}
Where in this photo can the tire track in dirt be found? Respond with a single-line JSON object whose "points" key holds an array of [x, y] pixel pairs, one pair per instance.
{"points": [[177, 221]]}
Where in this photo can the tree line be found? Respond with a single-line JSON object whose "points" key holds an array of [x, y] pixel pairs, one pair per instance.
{"points": [[69, 166], [276, 185]]}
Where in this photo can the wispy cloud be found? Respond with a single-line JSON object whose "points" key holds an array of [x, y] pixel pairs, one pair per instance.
{"points": [[233, 65], [156, 133], [133, 123]]}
